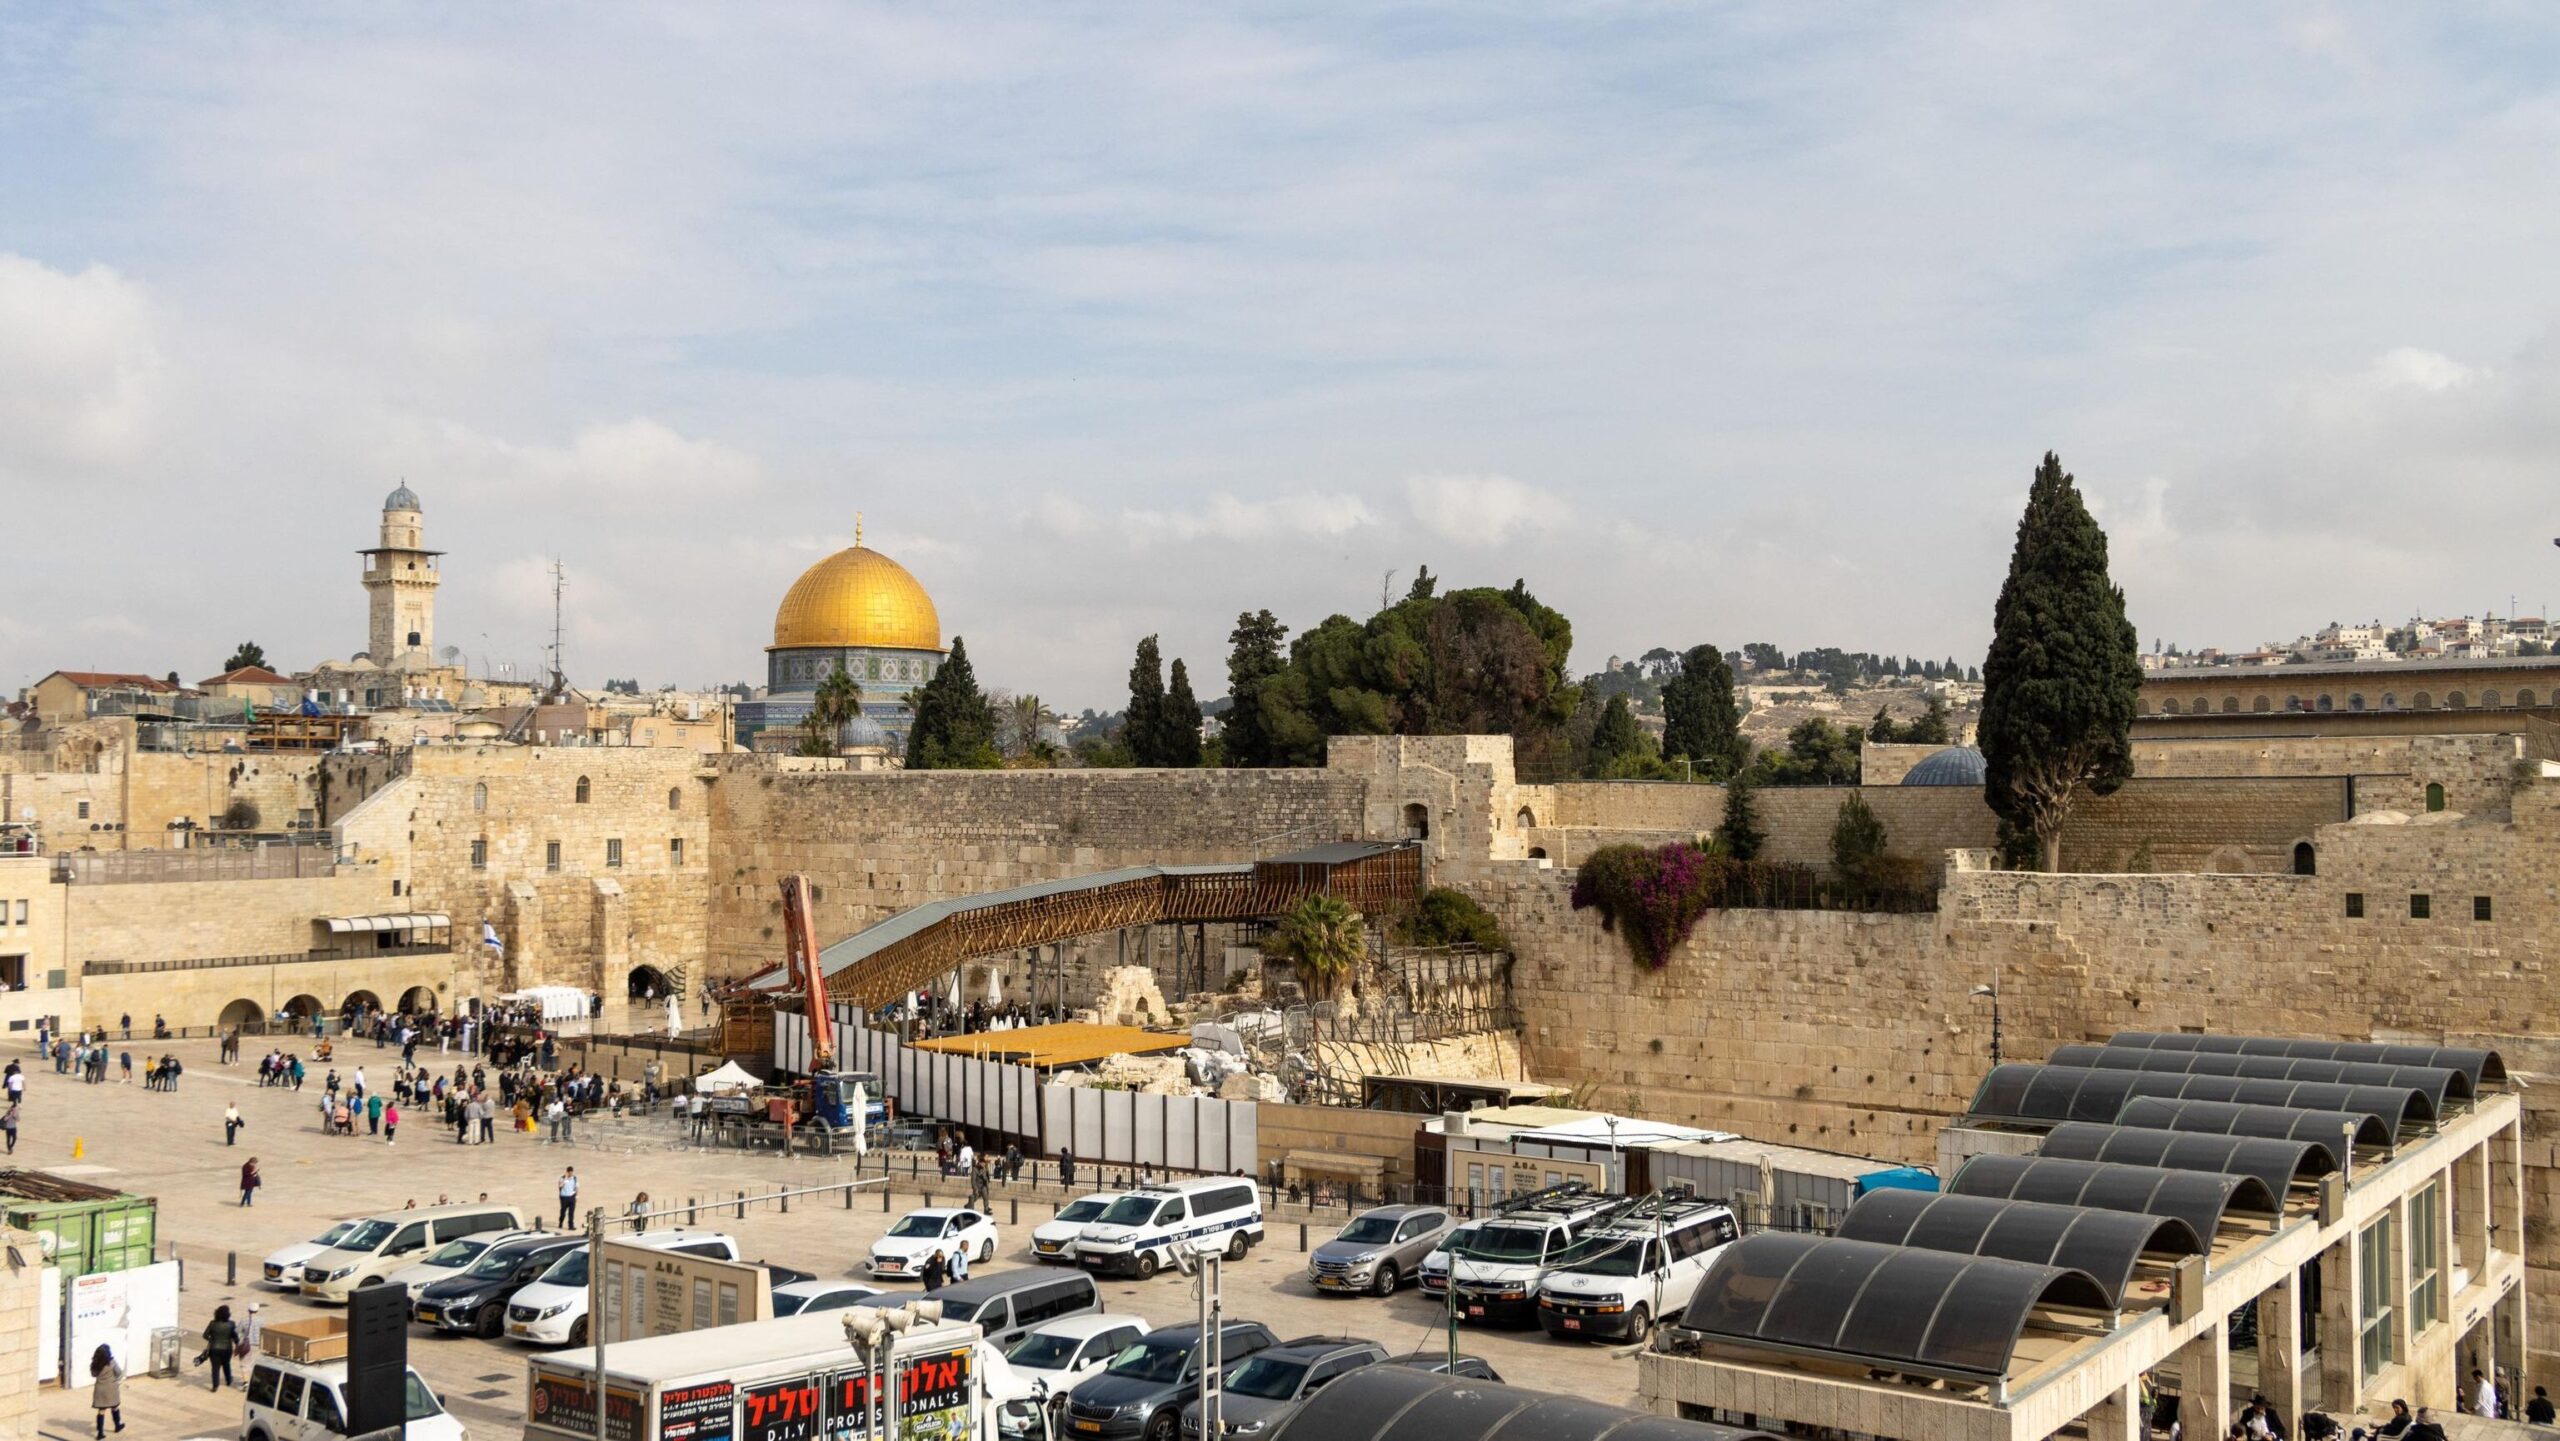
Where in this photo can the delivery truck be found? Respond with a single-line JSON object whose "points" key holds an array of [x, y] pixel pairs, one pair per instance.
{"points": [[798, 1378]]}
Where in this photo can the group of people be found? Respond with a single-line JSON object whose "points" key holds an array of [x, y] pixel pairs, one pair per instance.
{"points": [[937, 1016]]}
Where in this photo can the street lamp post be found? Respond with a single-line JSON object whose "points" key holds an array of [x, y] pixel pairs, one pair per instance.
{"points": [[1993, 991]]}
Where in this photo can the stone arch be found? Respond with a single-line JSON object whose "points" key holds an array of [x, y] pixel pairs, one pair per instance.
{"points": [[2324, 705], [2524, 698], [1537, 853], [417, 1000], [241, 1013], [675, 798], [1527, 819], [1417, 821], [2231, 705], [2422, 701], [2106, 900], [2292, 705], [583, 790], [2435, 795], [2141, 707], [646, 983], [2455, 701], [2489, 699], [2168, 706], [2306, 859], [303, 1007], [2261, 705], [366, 999], [2227, 861], [2356, 701], [480, 796]]}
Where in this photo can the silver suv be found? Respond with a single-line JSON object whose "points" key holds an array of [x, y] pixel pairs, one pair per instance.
{"points": [[1379, 1249]]}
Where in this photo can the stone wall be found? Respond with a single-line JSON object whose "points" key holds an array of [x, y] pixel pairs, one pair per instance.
{"points": [[20, 1297], [133, 798], [877, 842], [584, 922]]}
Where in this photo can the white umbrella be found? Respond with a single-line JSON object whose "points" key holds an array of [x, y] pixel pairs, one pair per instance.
{"points": [[995, 987]]}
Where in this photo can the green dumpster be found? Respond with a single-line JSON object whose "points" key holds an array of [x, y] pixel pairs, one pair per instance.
{"points": [[83, 1228]]}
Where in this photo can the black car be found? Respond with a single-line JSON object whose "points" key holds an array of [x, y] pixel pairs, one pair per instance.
{"points": [[1140, 1393], [476, 1300], [1469, 1368], [1269, 1386]]}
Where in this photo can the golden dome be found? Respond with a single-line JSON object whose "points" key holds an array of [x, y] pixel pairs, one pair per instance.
{"points": [[857, 597]]}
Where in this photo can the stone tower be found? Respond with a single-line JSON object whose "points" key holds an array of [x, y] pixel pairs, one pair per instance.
{"points": [[400, 584]]}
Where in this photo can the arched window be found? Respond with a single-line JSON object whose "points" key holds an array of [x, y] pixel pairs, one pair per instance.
{"points": [[2292, 703], [582, 790], [2435, 795], [2324, 705], [2355, 702], [2260, 706], [2168, 707], [2422, 701], [2390, 700], [1528, 820], [675, 798], [2524, 698], [2141, 707], [2455, 701], [2489, 698], [1417, 821], [2306, 862], [2231, 705], [1537, 853], [480, 796]]}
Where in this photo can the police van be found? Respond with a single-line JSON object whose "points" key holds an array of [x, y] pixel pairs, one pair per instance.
{"points": [[1138, 1234], [1497, 1268], [1622, 1277]]}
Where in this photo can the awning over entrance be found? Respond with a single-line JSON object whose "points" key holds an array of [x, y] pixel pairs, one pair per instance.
{"points": [[413, 921]]}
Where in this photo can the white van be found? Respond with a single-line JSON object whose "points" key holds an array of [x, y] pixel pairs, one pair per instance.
{"points": [[1496, 1269], [553, 1310], [307, 1401], [1618, 1280], [380, 1245], [1054, 1240], [1138, 1234], [284, 1268]]}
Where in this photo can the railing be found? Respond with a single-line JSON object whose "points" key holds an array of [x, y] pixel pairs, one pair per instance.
{"points": [[274, 861], [281, 958]]}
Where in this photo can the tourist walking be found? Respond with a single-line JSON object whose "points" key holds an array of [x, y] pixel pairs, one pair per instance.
{"points": [[250, 1181], [249, 1336], [391, 1124], [568, 1196], [231, 1124], [106, 1387], [9, 1125], [934, 1270], [221, 1339]]}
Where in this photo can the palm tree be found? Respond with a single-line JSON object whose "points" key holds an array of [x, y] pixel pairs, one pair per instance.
{"points": [[836, 704], [1025, 717], [1324, 938]]}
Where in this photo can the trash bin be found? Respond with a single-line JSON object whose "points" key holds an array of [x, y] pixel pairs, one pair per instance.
{"points": [[166, 1342]]}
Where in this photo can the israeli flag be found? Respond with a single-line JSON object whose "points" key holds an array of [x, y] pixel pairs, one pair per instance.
{"points": [[489, 938]]}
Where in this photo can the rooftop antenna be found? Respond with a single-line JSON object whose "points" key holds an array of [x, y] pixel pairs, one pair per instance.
{"points": [[559, 683]]}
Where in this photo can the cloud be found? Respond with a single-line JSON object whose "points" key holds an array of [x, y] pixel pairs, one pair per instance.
{"points": [[2420, 369], [1481, 510], [1227, 518], [637, 457], [79, 367]]}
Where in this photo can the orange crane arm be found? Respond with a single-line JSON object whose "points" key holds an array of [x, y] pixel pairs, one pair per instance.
{"points": [[800, 942]]}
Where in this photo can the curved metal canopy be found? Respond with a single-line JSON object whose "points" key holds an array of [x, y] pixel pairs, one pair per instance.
{"points": [[2031, 1093], [2233, 1118], [1405, 1403], [2278, 1163], [2106, 1244], [2199, 1198], [2441, 1083], [2484, 1067]]}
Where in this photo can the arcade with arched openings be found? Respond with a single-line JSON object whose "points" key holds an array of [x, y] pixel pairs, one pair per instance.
{"points": [[302, 1007], [242, 1014], [417, 1000], [648, 983]]}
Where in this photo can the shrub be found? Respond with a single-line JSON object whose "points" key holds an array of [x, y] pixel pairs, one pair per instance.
{"points": [[1653, 897], [1450, 918], [1857, 839]]}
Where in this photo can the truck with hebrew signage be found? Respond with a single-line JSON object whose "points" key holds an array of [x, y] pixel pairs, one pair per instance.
{"points": [[799, 1378]]}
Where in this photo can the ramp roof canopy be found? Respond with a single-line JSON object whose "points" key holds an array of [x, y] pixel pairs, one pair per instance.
{"points": [[2199, 1198], [2030, 1093], [2233, 1118], [2440, 1083], [2105, 1244], [2278, 1163], [2484, 1067]]}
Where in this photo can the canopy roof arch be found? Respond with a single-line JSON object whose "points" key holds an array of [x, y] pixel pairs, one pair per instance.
{"points": [[2028, 1093], [1927, 1313], [2440, 1083], [2278, 1163], [2105, 1244], [1405, 1403], [2484, 1067], [2202, 1199], [2234, 1118]]}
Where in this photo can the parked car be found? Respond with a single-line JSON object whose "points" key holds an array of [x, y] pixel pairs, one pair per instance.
{"points": [[1269, 1386], [1009, 1305], [476, 1300], [1472, 1368], [1378, 1249], [1498, 1271], [1619, 1279], [1054, 1240], [284, 1268], [553, 1310], [920, 1233], [449, 1260], [1433, 1274], [380, 1245], [297, 1401], [1061, 1353], [806, 1296], [1140, 1393], [1138, 1235]]}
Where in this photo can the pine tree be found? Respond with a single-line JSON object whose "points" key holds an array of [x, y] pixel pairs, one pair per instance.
{"points": [[248, 653], [1143, 729], [955, 727], [1254, 659], [2060, 680], [1179, 720], [1857, 839], [1739, 835], [1615, 738], [1702, 722]]}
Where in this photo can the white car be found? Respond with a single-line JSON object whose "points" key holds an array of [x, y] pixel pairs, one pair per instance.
{"points": [[1062, 1353], [1055, 1239], [1433, 1274], [293, 1401], [553, 1310], [284, 1268], [801, 1297], [450, 1259], [920, 1233]]}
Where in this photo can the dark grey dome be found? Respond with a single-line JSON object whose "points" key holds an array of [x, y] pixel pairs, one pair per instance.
{"points": [[1954, 766], [402, 499], [862, 730]]}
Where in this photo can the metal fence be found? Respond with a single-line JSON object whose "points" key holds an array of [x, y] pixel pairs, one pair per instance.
{"points": [[269, 862]]}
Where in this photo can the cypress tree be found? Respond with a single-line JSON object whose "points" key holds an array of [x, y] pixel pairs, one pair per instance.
{"points": [[955, 728], [2060, 680], [1740, 834], [1254, 659], [1179, 718], [1857, 839], [1702, 722], [1616, 737], [1143, 730]]}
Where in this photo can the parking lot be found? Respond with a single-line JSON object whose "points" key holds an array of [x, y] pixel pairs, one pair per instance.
{"points": [[170, 1146]]}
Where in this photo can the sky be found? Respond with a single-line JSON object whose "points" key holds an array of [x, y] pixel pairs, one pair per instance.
{"points": [[1714, 323]]}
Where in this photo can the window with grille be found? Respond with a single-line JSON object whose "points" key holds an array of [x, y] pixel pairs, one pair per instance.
{"points": [[2373, 1298], [2426, 1257], [2421, 906], [613, 853]]}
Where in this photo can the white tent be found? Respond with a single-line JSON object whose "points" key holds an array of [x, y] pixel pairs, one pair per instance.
{"points": [[730, 1077]]}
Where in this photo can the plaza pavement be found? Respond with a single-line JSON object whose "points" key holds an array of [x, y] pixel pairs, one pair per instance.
{"points": [[170, 1146]]}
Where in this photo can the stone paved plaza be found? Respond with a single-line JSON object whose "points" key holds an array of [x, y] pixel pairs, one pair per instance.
{"points": [[170, 1146]]}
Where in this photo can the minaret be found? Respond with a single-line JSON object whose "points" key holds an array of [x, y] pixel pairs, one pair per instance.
{"points": [[400, 584]]}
